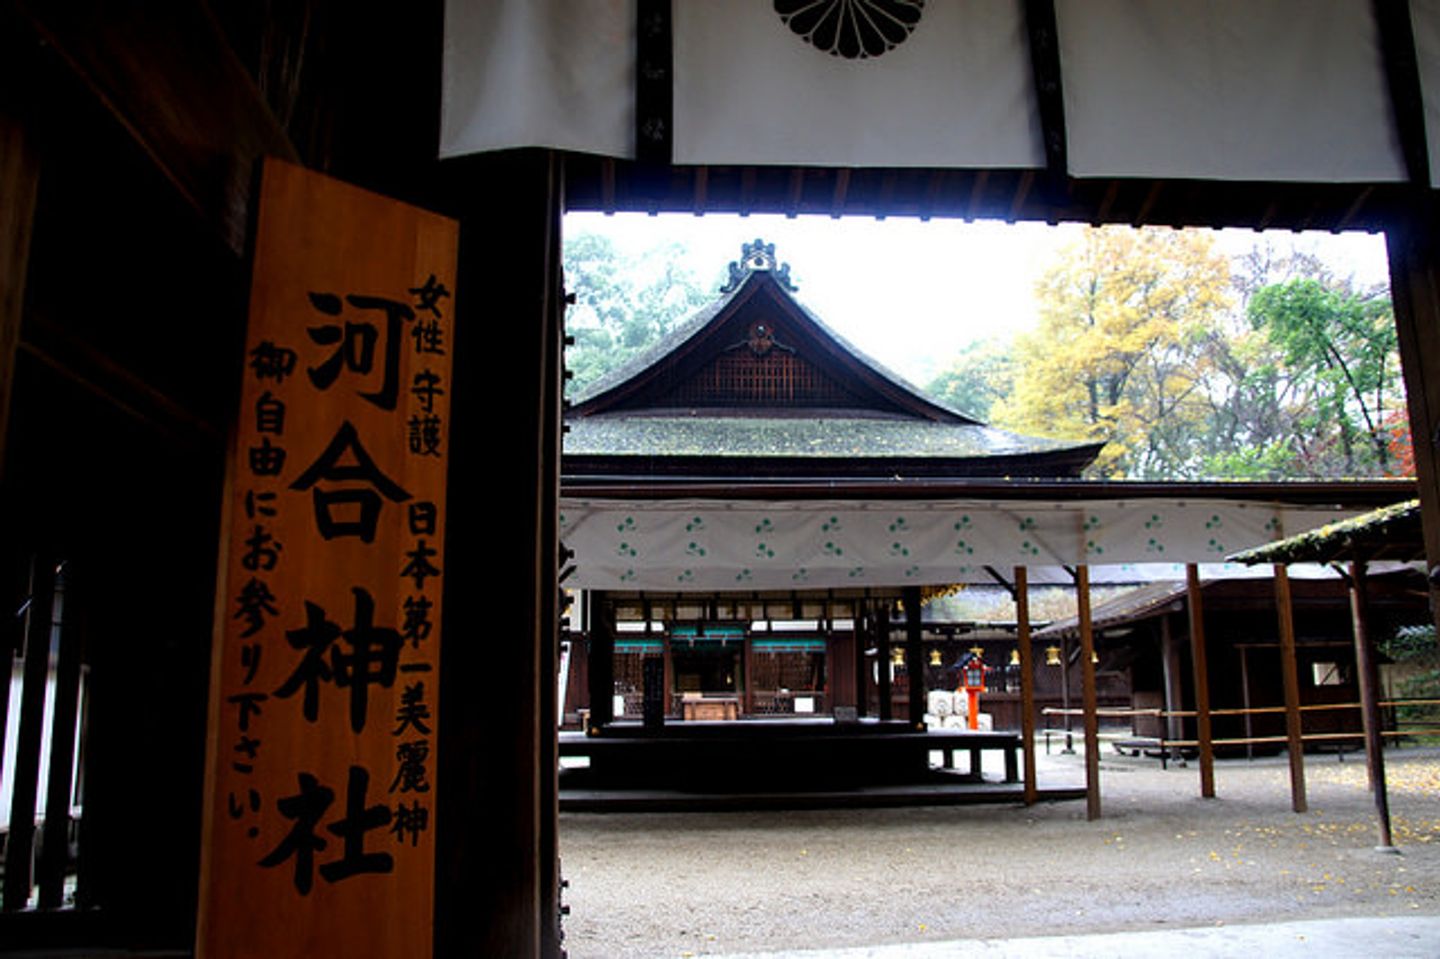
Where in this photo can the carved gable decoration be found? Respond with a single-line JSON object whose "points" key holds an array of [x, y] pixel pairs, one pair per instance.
{"points": [[763, 362]]}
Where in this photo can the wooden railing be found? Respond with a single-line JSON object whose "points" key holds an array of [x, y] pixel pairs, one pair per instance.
{"points": [[1165, 745]]}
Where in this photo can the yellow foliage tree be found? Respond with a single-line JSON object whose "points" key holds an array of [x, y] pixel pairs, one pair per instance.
{"points": [[1118, 353]]}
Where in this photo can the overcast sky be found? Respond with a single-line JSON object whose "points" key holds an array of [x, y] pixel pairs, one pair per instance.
{"points": [[912, 294]]}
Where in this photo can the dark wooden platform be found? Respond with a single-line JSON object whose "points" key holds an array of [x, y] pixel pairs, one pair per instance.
{"points": [[784, 764], [864, 797]]}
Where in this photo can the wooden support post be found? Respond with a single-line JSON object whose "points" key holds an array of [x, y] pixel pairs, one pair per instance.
{"points": [[1245, 700], [862, 642], [1369, 679], [1087, 685], [1290, 674], [602, 662], [1415, 293], [1201, 667], [1170, 670], [882, 658], [669, 655], [1027, 680], [914, 658], [1065, 694], [748, 696], [493, 805]]}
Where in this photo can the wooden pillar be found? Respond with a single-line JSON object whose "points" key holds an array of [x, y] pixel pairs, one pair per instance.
{"points": [[914, 657], [602, 662], [748, 696], [1170, 668], [1288, 669], [882, 658], [1245, 700], [1369, 681], [665, 651], [1027, 680], [19, 186], [494, 805], [1199, 663], [862, 642], [1087, 682], [1415, 294], [1065, 693]]}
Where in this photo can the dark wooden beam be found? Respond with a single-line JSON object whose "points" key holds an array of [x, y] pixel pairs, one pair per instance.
{"points": [[493, 806], [1402, 76], [1414, 251], [1147, 205], [1049, 96], [169, 77], [1353, 210], [607, 185], [1107, 203], [1011, 588], [794, 191], [1022, 192], [977, 194], [702, 189], [842, 190], [932, 194]]}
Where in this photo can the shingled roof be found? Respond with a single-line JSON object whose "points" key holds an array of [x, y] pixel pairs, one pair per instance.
{"points": [[756, 385]]}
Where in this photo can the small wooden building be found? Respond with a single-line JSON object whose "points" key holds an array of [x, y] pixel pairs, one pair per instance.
{"points": [[1144, 638]]}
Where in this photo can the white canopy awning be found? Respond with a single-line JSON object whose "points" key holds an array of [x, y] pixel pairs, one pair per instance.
{"points": [[681, 545], [1290, 90]]}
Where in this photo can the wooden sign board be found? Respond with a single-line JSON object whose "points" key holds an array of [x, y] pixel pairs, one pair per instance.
{"points": [[320, 790]]}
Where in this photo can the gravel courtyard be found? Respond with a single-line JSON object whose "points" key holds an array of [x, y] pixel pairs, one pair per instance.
{"points": [[701, 884]]}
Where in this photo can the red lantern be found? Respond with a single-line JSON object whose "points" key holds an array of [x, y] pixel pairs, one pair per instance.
{"points": [[973, 684]]}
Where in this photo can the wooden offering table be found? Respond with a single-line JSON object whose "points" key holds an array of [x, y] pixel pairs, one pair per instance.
{"points": [[709, 706]]}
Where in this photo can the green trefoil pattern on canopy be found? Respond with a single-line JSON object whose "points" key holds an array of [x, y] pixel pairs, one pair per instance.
{"points": [[716, 545]]}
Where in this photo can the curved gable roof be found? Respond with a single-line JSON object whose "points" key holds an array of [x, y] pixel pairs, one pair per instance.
{"points": [[642, 383], [755, 385]]}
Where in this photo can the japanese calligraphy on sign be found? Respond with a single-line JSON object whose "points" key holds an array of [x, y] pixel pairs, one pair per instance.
{"points": [[320, 792]]}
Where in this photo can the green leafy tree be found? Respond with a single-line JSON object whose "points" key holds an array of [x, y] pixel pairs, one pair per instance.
{"points": [[622, 305], [1341, 372], [977, 378]]}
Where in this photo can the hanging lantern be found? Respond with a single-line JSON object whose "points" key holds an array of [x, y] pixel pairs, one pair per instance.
{"points": [[1094, 657], [1015, 657], [1052, 655], [897, 656], [934, 657], [977, 651]]}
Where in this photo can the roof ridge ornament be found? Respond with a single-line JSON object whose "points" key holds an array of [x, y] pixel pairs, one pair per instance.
{"points": [[757, 257]]}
